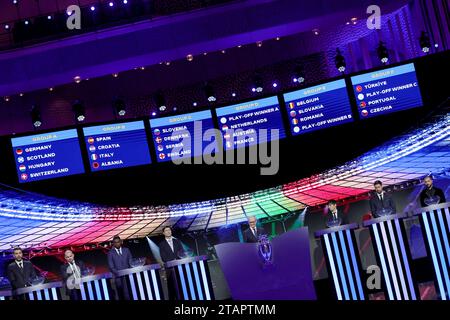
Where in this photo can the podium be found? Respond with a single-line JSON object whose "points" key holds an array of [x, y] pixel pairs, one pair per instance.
{"points": [[392, 253], [96, 287], [343, 261], [435, 224], [192, 278], [5, 295], [45, 291], [143, 282], [287, 277]]}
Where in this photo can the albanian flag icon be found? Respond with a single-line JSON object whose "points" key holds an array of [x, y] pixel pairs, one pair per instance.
{"points": [[95, 165], [358, 88]]}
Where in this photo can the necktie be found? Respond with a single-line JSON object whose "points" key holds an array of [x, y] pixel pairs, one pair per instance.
{"points": [[254, 232], [381, 196], [20, 265]]}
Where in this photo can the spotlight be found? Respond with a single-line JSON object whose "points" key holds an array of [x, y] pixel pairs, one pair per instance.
{"points": [[77, 79], [209, 92], [425, 43], [190, 57], [153, 113], [115, 75], [26, 22], [316, 32], [299, 76], [274, 84], [6, 98], [15, 1], [125, 1], [160, 101], [259, 44], [194, 104], [382, 52], [36, 116], [78, 110], [119, 107], [111, 4], [6, 26], [233, 94], [92, 8], [339, 61], [257, 84], [49, 17]]}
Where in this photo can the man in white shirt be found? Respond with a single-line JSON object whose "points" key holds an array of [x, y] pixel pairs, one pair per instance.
{"points": [[334, 214], [20, 272]]}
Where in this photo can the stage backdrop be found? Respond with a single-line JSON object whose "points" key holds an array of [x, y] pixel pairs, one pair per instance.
{"points": [[289, 277]]}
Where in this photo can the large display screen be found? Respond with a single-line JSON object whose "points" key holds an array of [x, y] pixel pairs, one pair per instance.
{"points": [[47, 155], [241, 124], [181, 136], [385, 91], [117, 145], [318, 107]]}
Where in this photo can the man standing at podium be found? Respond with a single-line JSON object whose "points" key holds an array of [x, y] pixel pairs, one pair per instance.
{"points": [[381, 201], [170, 249], [252, 234], [334, 214], [119, 258], [72, 271], [20, 273], [430, 191]]}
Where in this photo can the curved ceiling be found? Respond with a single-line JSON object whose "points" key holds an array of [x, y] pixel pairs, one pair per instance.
{"points": [[36, 221]]}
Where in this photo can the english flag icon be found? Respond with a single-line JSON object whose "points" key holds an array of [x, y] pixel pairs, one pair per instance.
{"points": [[162, 156]]}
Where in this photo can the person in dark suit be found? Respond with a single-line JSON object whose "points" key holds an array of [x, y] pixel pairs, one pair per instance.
{"points": [[430, 191], [20, 273], [334, 214], [252, 234], [119, 258], [170, 249], [380, 200], [71, 272]]}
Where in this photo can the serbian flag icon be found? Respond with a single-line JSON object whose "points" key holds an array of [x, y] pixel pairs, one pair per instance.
{"points": [[90, 140], [22, 168], [24, 176], [19, 151]]}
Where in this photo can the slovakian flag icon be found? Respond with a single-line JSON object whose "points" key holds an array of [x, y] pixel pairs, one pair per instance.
{"points": [[365, 113], [90, 140], [22, 167], [291, 105], [95, 165], [363, 104], [94, 157], [158, 139], [24, 176], [292, 113], [19, 151], [156, 132], [162, 156]]}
